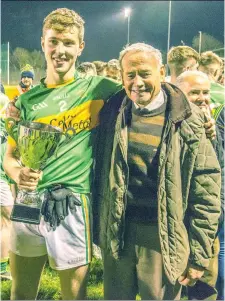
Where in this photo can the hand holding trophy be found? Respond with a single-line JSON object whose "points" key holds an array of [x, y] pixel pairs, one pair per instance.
{"points": [[36, 142]]}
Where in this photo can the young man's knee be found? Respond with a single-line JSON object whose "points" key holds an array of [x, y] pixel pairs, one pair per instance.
{"points": [[5, 218]]}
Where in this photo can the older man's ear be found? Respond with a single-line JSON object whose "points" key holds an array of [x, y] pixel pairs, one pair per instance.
{"points": [[163, 73]]}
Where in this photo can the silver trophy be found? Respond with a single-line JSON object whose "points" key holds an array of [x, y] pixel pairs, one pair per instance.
{"points": [[36, 143]]}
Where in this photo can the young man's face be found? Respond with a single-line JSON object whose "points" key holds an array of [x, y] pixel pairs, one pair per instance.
{"points": [[190, 64], [197, 90], [142, 76], [27, 81], [61, 50], [214, 68]]}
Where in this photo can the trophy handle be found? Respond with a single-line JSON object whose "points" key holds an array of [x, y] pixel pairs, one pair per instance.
{"points": [[68, 137], [10, 124]]}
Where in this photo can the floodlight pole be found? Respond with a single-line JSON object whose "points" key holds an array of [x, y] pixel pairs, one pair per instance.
{"points": [[168, 39], [8, 63], [128, 29], [200, 42]]}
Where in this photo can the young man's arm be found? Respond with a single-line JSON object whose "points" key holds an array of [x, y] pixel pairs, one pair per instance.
{"points": [[24, 177]]}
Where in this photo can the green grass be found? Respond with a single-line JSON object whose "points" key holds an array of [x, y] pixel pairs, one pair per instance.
{"points": [[50, 286]]}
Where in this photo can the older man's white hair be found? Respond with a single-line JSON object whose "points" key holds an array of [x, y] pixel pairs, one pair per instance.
{"points": [[183, 77], [141, 47]]}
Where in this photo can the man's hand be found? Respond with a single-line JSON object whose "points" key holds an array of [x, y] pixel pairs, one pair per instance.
{"points": [[28, 179], [191, 275], [210, 125], [12, 111]]}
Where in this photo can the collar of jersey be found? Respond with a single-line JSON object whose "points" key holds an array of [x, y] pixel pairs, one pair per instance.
{"points": [[61, 85]]}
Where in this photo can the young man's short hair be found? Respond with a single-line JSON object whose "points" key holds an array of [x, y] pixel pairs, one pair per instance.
{"points": [[178, 56], [210, 63], [209, 57], [64, 19]]}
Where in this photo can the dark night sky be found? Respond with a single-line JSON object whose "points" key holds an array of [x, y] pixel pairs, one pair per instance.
{"points": [[106, 27]]}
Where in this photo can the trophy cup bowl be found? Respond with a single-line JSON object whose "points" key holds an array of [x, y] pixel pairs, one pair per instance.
{"points": [[36, 143]]}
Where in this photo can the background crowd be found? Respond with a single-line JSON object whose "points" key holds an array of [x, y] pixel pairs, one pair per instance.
{"points": [[194, 80]]}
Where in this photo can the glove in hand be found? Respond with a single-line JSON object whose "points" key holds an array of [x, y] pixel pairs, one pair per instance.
{"points": [[56, 202]]}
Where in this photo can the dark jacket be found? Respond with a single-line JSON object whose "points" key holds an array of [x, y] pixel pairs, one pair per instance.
{"points": [[218, 145], [188, 178]]}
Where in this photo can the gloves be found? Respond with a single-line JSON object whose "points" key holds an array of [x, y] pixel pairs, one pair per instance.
{"points": [[56, 202]]}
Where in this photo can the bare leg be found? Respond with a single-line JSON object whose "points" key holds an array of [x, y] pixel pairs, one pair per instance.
{"points": [[5, 230], [26, 273], [74, 282]]}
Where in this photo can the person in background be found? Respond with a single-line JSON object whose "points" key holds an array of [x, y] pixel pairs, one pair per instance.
{"points": [[86, 69], [25, 84], [113, 70], [153, 165], [180, 59], [196, 87], [210, 63], [2, 89], [100, 67]]}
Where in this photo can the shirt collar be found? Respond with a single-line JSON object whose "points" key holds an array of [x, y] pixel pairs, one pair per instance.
{"points": [[154, 104]]}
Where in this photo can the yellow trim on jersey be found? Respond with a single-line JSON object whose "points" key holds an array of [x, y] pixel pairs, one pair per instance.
{"points": [[88, 227], [83, 117], [11, 141], [60, 85]]}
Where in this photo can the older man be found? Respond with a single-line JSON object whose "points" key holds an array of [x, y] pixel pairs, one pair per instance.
{"points": [[196, 87], [154, 166]]}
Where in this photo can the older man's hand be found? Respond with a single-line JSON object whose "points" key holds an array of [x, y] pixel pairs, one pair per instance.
{"points": [[12, 111], [191, 275]]}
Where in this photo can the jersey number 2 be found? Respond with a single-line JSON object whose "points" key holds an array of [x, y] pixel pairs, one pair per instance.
{"points": [[62, 105]]}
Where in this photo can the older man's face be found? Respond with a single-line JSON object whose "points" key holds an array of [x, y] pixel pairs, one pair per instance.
{"points": [[141, 75], [197, 90]]}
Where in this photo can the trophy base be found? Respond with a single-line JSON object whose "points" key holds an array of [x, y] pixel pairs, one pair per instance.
{"points": [[26, 214]]}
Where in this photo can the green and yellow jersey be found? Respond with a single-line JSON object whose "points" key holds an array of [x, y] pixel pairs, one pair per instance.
{"points": [[76, 104], [217, 95]]}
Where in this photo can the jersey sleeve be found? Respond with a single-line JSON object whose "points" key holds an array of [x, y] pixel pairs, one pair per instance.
{"points": [[108, 87]]}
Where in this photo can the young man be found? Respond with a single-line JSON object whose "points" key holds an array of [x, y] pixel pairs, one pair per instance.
{"points": [[100, 67], [196, 87], [154, 168], [86, 69], [180, 59], [62, 99], [113, 70], [211, 64]]}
